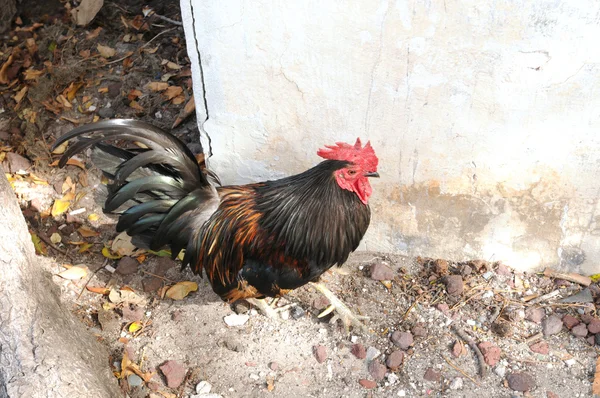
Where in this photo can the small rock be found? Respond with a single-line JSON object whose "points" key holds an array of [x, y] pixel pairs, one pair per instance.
{"points": [[440, 266], [233, 320], [134, 380], [550, 394], [394, 360], [500, 370], [432, 375], [392, 378], [479, 265], [584, 296], [419, 331], [163, 265], [551, 325], [200, 396], [203, 387], [284, 315], [541, 347], [580, 330], [297, 312], [274, 366], [38, 205], [597, 336], [359, 351], [382, 272], [587, 318], [459, 349], [127, 266], [522, 381], [367, 383], [114, 89], [233, 344], [491, 353], [106, 113], [456, 384], [320, 303], [454, 285], [151, 284], [442, 307], [503, 269], [372, 353], [241, 307], [466, 270], [401, 393], [377, 370], [592, 339], [177, 315], [570, 362], [594, 326], [570, 321], [535, 314], [402, 339], [15, 162], [133, 313], [174, 373], [254, 376], [320, 353]]}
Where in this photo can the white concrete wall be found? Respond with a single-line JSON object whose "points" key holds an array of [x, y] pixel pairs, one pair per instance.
{"points": [[485, 114]]}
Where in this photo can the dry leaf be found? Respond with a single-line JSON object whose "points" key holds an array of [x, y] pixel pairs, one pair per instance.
{"points": [[125, 296], [87, 232], [157, 86], [93, 217], [85, 247], [134, 327], [71, 91], [71, 162], [135, 105], [87, 10], [98, 289], [55, 238], [172, 92], [40, 247], [4, 69], [188, 109], [173, 65], [20, 95], [180, 99], [74, 273], [108, 254], [133, 94], [181, 289], [122, 245], [32, 74], [93, 34], [61, 99], [59, 207], [59, 150], [106, 51]]}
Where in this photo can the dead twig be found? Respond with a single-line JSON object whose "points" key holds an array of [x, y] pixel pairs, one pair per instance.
{"points": [[571, 277], [471, 343], [545, 297], [92, 277], [155, 37], [460, 370], [53, 246], [158, 276]]}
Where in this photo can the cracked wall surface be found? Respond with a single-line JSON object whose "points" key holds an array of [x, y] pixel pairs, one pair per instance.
{"points": [[485, 115]]}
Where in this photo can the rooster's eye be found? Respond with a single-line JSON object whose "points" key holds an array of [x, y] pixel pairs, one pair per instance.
{"points": [[351, 172]]}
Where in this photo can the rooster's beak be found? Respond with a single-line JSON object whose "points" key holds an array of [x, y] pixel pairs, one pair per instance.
{"points": [[372, 174]]}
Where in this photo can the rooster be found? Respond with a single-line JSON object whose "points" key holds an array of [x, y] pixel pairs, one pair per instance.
{"points": [[252, 241]]}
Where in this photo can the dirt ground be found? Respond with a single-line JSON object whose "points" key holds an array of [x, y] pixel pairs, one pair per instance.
{"points": [[55, 76]]}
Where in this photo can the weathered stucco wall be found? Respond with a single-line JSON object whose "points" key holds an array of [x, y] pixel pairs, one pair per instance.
{"points": [[485, 114]]}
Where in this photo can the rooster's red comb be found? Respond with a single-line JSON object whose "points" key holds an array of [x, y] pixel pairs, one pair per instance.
{"points": [[357, 154]]}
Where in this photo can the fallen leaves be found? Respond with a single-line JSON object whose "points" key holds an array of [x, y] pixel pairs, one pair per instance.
{"points": [[157, 86], [126, 297], [40, 247], [74, 273], [105, 51], [59, 207], [86, 11], [596, 384], [128, 367], [181, 289]]}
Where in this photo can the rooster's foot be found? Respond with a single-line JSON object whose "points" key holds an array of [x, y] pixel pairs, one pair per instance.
{"points": [[268, 310], [342, 311]]}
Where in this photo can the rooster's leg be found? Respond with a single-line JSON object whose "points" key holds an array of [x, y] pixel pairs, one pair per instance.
{"points": [[342, 310], [267, 309]]}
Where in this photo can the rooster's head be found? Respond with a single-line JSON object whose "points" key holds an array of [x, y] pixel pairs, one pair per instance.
{"points": [[362, 164]]}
